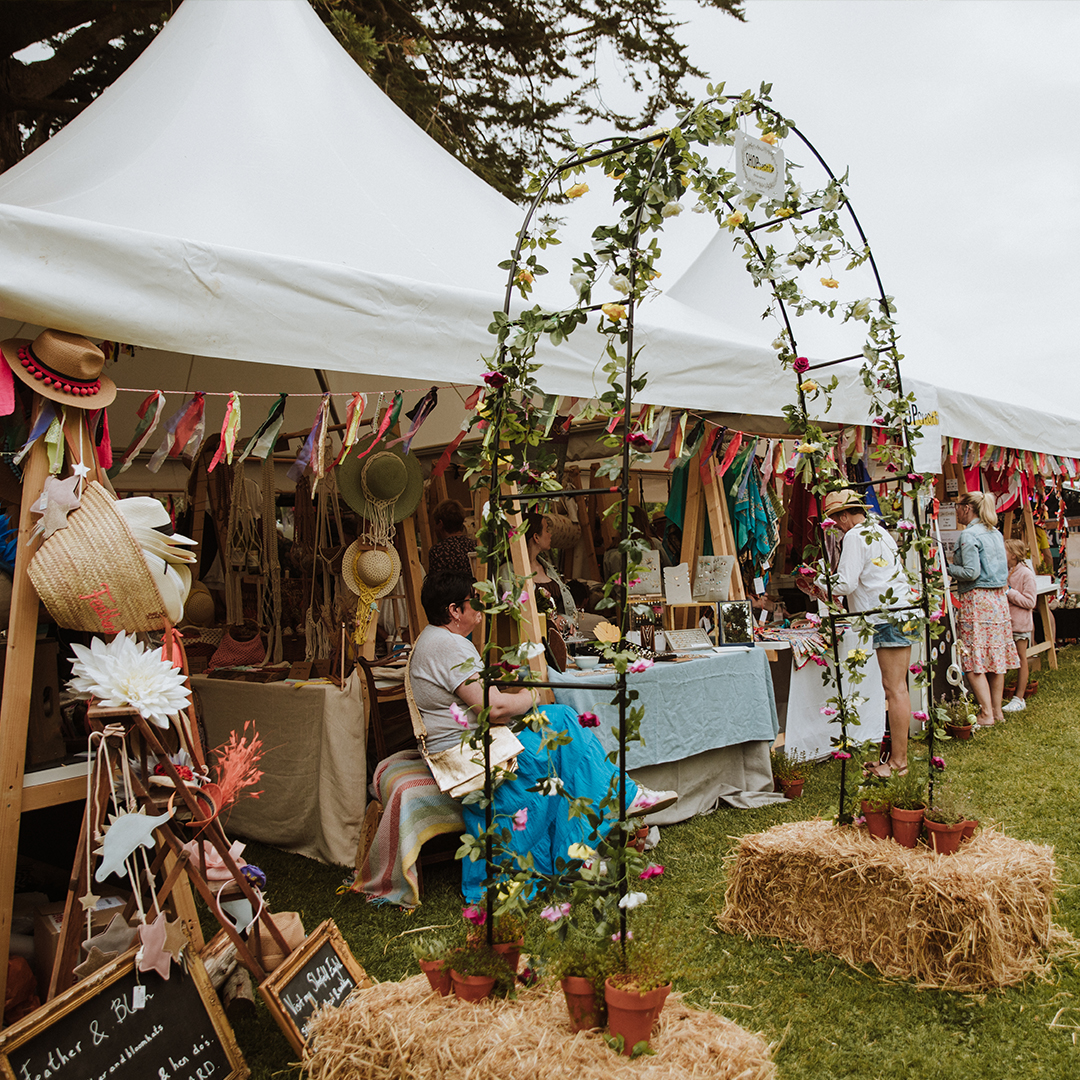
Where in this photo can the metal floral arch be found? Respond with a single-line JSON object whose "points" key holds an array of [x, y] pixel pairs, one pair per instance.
{"points": [[510, 372]]}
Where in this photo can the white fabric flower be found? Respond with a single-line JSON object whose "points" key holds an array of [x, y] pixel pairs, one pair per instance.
{"points": [[580, 281], [620, 283], [671, 209], [632, 900], [124, 674]]}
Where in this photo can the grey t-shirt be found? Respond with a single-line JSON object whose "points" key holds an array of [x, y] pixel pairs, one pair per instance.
{"points": [[436, 670]]}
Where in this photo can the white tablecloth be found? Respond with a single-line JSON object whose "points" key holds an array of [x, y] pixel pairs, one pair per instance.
{"points": [[314, 762]]}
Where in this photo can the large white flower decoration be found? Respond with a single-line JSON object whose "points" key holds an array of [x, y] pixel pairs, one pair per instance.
{"points": [[124, 674]]}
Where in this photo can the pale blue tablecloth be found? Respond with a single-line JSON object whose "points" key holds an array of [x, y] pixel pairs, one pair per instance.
{"points": [[716, 700]]}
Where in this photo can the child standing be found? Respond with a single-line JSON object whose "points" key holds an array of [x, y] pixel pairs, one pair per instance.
{"points": [[1021, 594]]}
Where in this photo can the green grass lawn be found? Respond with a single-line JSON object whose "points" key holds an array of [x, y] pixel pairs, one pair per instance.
{"points": [[825, 1018]]}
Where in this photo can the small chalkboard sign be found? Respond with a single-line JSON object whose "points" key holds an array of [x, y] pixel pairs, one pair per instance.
{"points": [[95, 1031], [320, 972]]}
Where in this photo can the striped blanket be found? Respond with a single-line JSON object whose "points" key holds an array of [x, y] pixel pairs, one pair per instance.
{"points": [[414, 810]]}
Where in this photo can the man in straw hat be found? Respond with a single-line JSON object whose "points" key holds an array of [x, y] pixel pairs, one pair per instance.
{"points": [[871, 576]]}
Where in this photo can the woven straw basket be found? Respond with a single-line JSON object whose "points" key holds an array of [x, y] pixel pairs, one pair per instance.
{"points": [[92, 575]]}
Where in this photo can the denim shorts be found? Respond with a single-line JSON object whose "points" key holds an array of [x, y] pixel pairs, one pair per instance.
{"points": [[886, 636], [1022, 635]]}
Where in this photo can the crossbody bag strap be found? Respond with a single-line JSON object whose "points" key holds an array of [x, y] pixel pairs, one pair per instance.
{"points": [[419, 730]]}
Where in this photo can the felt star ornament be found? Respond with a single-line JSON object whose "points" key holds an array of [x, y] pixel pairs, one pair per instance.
{"points": [[96, 959], [89, 901], [153, 954], [123, 836], [115, 938], [175, 938], [81, 470], [57, 500]]}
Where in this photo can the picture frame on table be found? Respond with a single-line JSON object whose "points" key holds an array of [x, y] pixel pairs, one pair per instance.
{"points": [[735, 623]]}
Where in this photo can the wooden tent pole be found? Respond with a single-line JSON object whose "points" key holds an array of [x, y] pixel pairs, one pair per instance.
{"points": [[18, 687]]}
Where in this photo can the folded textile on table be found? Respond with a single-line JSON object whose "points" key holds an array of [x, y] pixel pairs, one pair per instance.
{"points": [[414, 810], [806, 642]]}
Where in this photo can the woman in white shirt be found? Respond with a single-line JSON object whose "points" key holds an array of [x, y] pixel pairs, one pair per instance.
{"points": [[872, 577]]}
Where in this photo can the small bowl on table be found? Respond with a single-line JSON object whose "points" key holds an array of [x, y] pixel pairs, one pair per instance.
{"points": [[587, 663]]}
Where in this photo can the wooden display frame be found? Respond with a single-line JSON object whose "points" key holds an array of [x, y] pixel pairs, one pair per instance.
{"points": [[274, 987], [126, 1060]]}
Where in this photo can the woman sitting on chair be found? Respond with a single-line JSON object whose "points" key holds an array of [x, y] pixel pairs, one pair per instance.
{"points": [[449, 694]]}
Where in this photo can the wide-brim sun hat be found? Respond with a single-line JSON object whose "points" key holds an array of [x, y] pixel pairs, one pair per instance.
{"points": [[844, 499], [389, 475], [63, 367], [370, 572]]}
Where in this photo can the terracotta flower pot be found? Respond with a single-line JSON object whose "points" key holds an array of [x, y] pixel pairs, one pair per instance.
{"points": [[878, 822], [969, 830], [472, 987], [585, 1006], [957, 731], [793, 788], [944, 839], [436, 975], [632, 1014], [510, 951], [906, 825]]}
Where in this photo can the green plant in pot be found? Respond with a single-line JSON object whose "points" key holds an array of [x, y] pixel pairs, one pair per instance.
{"points": [[431, 951], [789, 771], [957, 714], [581, 963], [874, 806], [476, 971], [507, 936], [945, 819], [907, 798]]}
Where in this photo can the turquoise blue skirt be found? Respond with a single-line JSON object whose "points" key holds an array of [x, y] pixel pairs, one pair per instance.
{"points": [[585, 771]]}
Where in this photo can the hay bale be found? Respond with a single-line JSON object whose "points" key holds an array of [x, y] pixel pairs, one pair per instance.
{"points": [[402, 1031], [974, 920]]}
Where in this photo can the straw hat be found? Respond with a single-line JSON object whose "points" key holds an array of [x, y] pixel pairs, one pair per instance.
{"points": [[94, 576], [61, 366], [371, 573], [199, 608], [844, 499], [389, 477]]}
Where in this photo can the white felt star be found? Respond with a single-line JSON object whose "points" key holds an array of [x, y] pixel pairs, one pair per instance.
{"points": [[89, 901], [124, 835], [58, 499], [81, 470], [153, 953]]}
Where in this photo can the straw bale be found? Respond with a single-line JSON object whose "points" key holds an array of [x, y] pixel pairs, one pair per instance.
{"points": [[403, 1031], [978, 919]]}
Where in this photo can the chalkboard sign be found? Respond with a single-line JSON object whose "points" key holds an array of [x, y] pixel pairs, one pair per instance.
{"points": [[94, 1031], [321, 972]]}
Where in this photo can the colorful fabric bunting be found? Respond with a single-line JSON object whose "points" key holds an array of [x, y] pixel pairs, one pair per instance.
{"points": [[184, 429], [48, 414], [262, 442], [354, 414], [313, 446], [448, 453], [388, 421], [149, 415]]}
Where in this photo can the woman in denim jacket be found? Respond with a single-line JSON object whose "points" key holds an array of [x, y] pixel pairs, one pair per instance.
{"points": [[981, 573]]}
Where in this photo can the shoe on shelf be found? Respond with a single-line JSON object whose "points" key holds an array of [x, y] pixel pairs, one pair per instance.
{"points": [[647, 801], [1016, 705]]}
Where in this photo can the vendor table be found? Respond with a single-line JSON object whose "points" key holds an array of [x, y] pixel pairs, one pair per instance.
{"points": [[314, 762], [708, 726]]}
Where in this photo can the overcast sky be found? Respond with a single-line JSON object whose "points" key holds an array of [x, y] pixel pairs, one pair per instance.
{"points": [[958, 122]]}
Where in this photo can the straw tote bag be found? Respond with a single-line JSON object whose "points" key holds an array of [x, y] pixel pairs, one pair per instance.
{"points": [[460, 769]]}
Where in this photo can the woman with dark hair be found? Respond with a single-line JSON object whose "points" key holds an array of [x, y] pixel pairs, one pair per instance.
{"points": [[981, 573], [444, 671], [454, 545]]}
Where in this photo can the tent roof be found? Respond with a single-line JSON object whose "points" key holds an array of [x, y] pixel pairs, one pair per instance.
{"points": [[245, 192]]}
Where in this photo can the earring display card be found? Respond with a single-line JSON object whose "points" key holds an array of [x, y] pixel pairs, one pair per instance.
{"points": [[713, 578], [647, 580], [677, 584]]}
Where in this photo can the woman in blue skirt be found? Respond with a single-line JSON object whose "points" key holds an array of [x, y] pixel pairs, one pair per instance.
{"points": [[444, 672]]}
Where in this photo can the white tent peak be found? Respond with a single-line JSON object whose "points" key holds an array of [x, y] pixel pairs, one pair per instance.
{"points": [[246, 124]]}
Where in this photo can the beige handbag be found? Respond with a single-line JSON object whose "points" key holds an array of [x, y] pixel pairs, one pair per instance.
{"points": [[460, 769]]}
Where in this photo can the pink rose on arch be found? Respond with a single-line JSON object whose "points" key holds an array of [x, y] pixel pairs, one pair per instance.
{"points": [[476, 915], [879, 421], [827, 710], [828, 523], [918, 715], [812, 619], [806, 571], [617, 936], [916, 669], [460, 715], [588, 719], [937, 762], [789, 476], [639, 440], [555, 912], [651, 871], [821, 661], [640, 665], [801, 364], [521, 819], [840, 755], [495, 379]]}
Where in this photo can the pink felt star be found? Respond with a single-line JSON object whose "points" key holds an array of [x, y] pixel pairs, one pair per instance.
{"points": [[58, 499], [153, 936]]}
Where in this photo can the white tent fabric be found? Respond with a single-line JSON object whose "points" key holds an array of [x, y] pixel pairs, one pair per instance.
{"points": [[245, 192]]}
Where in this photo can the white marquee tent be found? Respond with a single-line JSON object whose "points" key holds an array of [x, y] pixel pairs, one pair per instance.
{"points": [[246, 193]]}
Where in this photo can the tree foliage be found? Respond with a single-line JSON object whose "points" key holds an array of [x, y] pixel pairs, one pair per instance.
{"points": [[491, 80]]}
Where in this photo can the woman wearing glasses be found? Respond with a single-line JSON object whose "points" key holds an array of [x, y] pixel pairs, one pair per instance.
{"points": [[444, 672]]}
